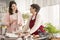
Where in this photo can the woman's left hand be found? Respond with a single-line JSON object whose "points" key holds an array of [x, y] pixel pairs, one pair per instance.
{"points": [[35, 36], [20, 24], [27, 34]]}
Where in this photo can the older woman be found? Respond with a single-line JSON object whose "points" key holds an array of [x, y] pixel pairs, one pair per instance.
{"points": [[34, 23]]}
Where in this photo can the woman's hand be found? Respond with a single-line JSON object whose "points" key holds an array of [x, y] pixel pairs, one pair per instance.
{"points": [[20, 24], [35, 36], [26, 33], [20, 34]]}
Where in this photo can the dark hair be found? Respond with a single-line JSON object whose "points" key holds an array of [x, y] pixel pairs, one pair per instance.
{"points": [[36, 6], [10, 9]]}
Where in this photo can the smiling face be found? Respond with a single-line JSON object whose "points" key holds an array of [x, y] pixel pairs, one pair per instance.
{"points": [[32, 10], [14, 7]]}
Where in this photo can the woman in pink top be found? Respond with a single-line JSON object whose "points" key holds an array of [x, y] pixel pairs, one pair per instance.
{"points": [[13, 18]]}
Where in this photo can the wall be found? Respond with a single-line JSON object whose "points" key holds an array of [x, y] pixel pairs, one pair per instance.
{"points": [[44, 3], [23, 5], [51, 14]]}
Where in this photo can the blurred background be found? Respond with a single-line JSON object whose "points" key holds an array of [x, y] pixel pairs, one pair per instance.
{"points": [[49, 9]]}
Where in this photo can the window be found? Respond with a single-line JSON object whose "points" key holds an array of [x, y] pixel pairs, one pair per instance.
{"points": [[50, 14]]}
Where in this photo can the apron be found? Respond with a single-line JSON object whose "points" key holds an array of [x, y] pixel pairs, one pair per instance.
{"points": [[31, 24]]}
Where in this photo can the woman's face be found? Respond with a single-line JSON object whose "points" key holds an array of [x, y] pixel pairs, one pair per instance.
{"points": [[32, 10], [14, 7]]}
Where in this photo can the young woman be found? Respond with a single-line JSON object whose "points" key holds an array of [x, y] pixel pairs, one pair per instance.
{"points": [[34, 23], [13, 18]]}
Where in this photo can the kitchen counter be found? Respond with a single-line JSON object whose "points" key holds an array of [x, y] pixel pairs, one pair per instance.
{"points": [[55, 39]]}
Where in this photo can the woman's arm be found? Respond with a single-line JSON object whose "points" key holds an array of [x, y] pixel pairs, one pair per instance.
{"points": [[7, 19], [26, 27], [20, 19]]}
